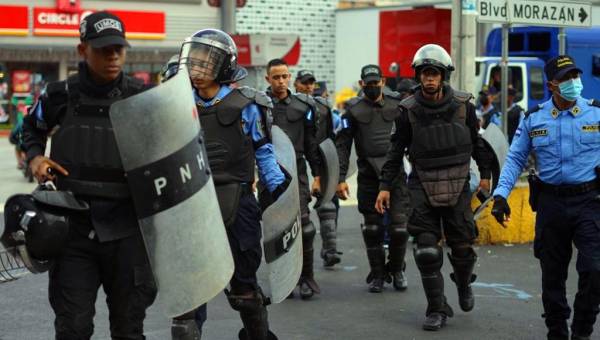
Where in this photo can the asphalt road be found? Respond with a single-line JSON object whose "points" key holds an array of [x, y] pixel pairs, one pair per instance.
{"points": [[508, 300]]}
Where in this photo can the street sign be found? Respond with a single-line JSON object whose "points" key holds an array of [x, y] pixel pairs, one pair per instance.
{"points": [[535, 12]]}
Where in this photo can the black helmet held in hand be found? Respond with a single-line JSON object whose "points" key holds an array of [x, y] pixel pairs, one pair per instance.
{"points": [[36, 226]]}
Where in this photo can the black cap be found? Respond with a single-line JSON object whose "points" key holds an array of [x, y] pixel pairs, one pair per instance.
{"points": [[370, 73], [102, 29], [557, 67], [305, 75]]}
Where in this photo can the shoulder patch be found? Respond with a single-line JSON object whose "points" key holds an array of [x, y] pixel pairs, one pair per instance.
{"points": [[533, 110], [462, 96], [594, 102]]}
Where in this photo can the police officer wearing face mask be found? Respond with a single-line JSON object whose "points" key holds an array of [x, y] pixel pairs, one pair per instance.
{"points": [[564, 132], [368, 122], [439, 128], [105, 246]]}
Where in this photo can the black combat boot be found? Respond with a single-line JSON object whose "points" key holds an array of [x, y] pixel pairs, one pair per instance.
{"points": [[463, 277], [307, 284], [438, 309], [329, 252], [377, 275], [256, 325], [185, 330], [396, 267]]}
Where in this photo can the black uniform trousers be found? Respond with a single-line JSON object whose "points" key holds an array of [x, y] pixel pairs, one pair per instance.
{"points": [[304, 189], [367, 191], [459, 225], [561, 222], [120, 266], [244, 236]]}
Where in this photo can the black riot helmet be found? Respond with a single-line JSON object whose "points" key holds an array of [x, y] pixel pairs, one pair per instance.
{"points": [[211, 54], [432, 55], [170, 68], [36, 226]]}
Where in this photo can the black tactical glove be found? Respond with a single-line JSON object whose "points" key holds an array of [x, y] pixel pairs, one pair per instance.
{"points": [[500, 209]]}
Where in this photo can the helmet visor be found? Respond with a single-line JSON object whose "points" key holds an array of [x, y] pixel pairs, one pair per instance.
{"points": [[202, 61]]}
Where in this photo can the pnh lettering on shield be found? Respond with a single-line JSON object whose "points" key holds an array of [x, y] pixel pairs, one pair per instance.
{"points": [[185, 174]]}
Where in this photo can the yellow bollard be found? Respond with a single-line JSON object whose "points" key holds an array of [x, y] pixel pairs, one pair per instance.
{"points": [[520, 228]]}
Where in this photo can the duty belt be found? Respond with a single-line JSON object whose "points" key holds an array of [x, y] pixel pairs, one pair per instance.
{"points": [[569, 190]]}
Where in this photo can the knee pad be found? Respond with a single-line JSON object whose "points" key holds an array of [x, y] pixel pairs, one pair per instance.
{"points": [[373, 234], [429, 259], [246, 304], [463, 251], [426, 240], [327, 211], [398, 233], [308, 231]]}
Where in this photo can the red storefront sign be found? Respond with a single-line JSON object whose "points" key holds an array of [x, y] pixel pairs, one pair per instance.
{"points": [[138, 25], [14, 20], [242, 41], [21, 81]]}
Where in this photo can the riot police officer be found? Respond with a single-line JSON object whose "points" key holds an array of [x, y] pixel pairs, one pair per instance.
{"points": [[439, 127], [295, 114], [237, 135], [368, 122], [328, 121], [104, 246], [565, 135]]}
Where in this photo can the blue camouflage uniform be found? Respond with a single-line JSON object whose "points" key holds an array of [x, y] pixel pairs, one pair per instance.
{"points": [[567, 146]]}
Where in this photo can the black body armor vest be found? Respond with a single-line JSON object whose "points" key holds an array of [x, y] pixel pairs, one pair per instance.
{"points": [[85, 144], [230, 151], [289, 115], [374, 125], [441, 145]]}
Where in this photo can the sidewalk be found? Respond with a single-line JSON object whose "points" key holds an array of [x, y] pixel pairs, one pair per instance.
{"points": [[11, 179]]}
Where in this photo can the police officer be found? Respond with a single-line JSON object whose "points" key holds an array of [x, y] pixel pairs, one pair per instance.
{"points": [[328, 121], [486, 111], [295, 114], [439, 127], [105, 246], [514, 114], [564, 132], [406, 87], [236, 133], [368, 122]]}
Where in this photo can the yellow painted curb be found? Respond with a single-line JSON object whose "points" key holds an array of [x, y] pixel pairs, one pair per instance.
{"points": [[520, 228]]}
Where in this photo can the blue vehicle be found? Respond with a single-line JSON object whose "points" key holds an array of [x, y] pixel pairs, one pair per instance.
{"points": [[529, 48]]}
